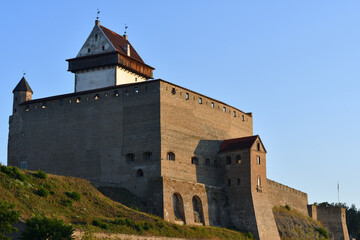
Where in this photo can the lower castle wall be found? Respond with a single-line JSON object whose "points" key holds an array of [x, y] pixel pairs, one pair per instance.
{"points": [[280, 195], [212, 199], [335, 220]]}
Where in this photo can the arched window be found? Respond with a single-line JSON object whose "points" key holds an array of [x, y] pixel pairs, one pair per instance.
{"points": [[195, 160], [130, 157], [139, 173], [207, 161], [198, 211], [259, 181], [178, 206], [171, 156], [258, 160], [147, 156]]}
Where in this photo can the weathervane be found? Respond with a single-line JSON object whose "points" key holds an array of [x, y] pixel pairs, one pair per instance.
{"points": [[24, 73], [125, 29], [97, 14]]}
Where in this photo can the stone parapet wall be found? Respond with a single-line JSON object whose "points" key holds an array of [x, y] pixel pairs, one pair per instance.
{"points": [[334, 218], [280, 195]]}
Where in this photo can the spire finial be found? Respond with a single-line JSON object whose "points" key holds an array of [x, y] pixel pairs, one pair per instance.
{"points": [[24, 73], [97, 14]]}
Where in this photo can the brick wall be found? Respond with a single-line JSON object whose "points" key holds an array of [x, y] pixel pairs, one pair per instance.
{"points": [[280, 195]]}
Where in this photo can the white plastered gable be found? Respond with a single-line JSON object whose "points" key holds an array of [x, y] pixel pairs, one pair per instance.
{"points": [[96, 43]]}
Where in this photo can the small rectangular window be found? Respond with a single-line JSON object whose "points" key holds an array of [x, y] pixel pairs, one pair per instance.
{"points": [[43, 105], [224, 109], [243, 117], [187, 96], [258, 160], [136, 89], [24, 165], [78, 100], [27, 108], [238, 181], [238, 159], [234, 114], [212, 104], [116, 93], [229, 182], [200, 100], [228, 160], [173, 91]]}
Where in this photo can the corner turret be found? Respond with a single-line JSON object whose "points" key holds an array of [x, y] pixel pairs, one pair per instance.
{"points": [[22, 93]]}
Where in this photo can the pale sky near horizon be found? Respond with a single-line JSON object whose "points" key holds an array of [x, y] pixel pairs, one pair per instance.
{"points": [[294, 64]]}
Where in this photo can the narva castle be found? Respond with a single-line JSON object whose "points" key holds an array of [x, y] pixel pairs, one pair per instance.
{"points": [[192, 159]]}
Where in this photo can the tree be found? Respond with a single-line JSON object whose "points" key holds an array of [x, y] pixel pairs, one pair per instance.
{"points": [[8, 216], [42, 228]]}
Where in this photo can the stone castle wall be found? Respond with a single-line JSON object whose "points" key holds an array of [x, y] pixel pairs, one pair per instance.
{"points": [[193, 125], [334, 218], [280, 195]]}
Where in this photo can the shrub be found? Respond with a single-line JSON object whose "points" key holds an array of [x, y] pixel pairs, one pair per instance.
{"points": [[46, 228], [42, 192], [13, 172], [74, 195], [249, 235], [41, 174], [67, 202], [287, 207], [323, 232], [8, 216], [100, 224]]}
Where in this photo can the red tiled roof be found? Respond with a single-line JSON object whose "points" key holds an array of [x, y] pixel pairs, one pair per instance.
{"points": [[120, 43], [230, 145]]}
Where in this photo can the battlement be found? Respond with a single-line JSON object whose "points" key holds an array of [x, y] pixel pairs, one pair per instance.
{"points": [[281, 195], [286, 188]]}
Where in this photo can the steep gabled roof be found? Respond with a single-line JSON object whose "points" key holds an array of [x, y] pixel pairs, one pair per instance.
{"points": [[22, 86], [235, 144], [119, 42]]}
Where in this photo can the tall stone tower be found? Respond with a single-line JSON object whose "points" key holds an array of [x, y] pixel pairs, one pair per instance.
{"points": [[22, 93], [107, 59]]}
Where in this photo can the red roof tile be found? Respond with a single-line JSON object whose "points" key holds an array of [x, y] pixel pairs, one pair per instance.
{"points": [[231, 145], [120, 43]]}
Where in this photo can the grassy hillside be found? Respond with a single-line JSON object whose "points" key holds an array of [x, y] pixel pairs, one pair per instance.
{"points": [[295, 226], [77, 202]]}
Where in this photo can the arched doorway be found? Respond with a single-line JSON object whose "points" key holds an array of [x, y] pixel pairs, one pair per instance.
{"points": [[178, 206], [198, 210]]}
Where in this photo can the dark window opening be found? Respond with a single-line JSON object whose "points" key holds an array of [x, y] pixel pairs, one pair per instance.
{"points": [[171, 156], [173, 91], [228, 160], [234, 114], [207, 162], [116, 93], [130, 157], [147, 156], [229, 182], [88, 50], [139, 173], [136, 89], [195, 160], [200, 100], [212, 104], [187, 96], [258, 146], [224, 109], [103, 48], [238, 159], [96, 37], [238, 181], [243, 117], [15, 110]]}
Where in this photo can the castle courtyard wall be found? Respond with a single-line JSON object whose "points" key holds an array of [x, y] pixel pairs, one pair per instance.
{"points": [[281, 195]]}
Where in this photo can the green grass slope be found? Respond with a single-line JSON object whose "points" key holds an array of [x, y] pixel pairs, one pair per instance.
{"points": [[295, 226], [77, 202]]}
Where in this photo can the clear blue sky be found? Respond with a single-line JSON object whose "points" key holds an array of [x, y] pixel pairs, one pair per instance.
{"points": [[294, 64]]}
